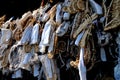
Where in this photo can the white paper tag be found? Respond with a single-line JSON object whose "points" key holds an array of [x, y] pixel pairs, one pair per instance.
{"points": [[18, 73], [102, 54], [36, 70]]}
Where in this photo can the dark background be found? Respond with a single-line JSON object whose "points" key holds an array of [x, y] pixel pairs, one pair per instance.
{"points": [[17, 7]]}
